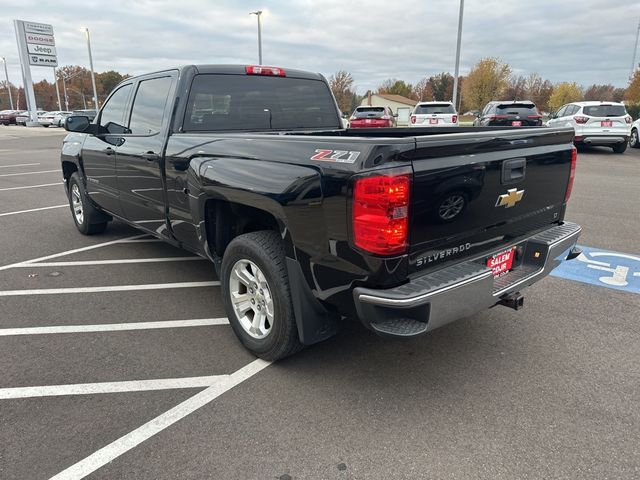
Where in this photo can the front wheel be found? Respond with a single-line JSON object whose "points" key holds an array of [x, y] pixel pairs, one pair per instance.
{"points": [[88, 220], [619, 147], [257, 299], [634, 142]]}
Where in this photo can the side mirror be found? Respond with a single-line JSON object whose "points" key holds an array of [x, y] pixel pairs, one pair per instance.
{"points": [[76, 123], [395, 115]]}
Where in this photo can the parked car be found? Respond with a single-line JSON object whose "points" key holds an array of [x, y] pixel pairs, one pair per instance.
{"points": [[23, 118], [372, 117], [55, 118], [520, 113], [434, 114], [8, 117], [595, 123], [404, 231], [634, 141]]}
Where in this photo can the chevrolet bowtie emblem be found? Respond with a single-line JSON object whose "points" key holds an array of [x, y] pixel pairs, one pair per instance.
{"points": [[510, 198]]}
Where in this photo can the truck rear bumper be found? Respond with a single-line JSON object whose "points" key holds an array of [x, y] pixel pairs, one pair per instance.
{"points": [[438, 298]]}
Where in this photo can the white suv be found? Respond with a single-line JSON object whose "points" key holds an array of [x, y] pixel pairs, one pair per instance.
{"points": [[595, 123], [434, 114]]}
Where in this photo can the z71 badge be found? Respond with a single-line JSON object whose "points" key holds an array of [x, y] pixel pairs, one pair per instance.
{"points": [[340, 156]]}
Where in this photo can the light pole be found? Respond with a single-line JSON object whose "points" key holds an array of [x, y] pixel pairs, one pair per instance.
{"points": [[257, 13], [55, 79], [635, 50], [93, 75], [6, 75], [64, 88], [457, 71]]}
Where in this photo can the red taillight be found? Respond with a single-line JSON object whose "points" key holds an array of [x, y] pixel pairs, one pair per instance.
{"points": [[413, 119], [535, 116], [454, 118], [498, 117], [381, 214], [262, 70], [628, 119], [574, 158], [581, 120]]}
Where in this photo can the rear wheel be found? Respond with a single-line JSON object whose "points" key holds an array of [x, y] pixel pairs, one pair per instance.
{"points": [[619, 147], [255, 290], [634, 142], [87, 218]]}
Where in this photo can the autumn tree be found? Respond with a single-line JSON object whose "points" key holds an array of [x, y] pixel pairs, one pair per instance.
{"points": [[441, 86], [46, 97], [486, 81], [341, 83], [106, 81], [516, 88], [632, 94], [5, 104], [393, 86], [600, 92], [538, 91], [565, 92], [422, 91]]}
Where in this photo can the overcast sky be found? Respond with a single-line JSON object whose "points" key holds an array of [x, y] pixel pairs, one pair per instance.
{"points": [[587, 41]]}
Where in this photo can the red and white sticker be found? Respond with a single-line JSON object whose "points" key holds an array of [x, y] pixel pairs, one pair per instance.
{"points": [[339, 156], [501, 262]]}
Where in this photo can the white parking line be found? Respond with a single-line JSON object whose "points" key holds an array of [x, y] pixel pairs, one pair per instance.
{"points": [[143, 240], [30, 173], [109, 262], [156, 425], [109, 387], [30, 186], [109, 288], [19, 165], [33, 210], [113, 327], [70, 252]]}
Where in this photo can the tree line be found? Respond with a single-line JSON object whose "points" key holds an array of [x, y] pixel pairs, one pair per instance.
{"points": [[490, 79], [73, 79]]}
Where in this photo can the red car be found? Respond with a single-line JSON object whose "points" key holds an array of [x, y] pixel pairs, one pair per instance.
{"points": [[372, 117], [8, 117]]}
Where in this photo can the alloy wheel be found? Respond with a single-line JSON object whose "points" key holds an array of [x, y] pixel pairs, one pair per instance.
{"points": [[251, 299], [76, 201]]}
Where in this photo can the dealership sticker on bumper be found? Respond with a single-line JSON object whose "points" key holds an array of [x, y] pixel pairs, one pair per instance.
{"points": [[501, 262]]}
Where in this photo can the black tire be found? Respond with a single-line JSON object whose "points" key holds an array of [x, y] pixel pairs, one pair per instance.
{"points": [[264, 249], [619, 147], [634, 141], [45, 126], [89, 221]]}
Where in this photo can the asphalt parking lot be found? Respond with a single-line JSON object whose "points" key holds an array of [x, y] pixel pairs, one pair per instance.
{"points": [[116, 361]]}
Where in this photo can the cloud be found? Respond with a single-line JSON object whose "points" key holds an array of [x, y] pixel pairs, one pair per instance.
{"points": [[587, 41]]}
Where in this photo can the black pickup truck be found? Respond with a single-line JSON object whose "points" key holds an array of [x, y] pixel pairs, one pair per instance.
{"points": [[308, 223]]}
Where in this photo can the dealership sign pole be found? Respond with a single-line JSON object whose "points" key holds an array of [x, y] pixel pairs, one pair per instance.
{"points": [[36, 46]]}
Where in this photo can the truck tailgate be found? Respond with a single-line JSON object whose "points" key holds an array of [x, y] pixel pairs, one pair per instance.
{"points": [[474, 192]]}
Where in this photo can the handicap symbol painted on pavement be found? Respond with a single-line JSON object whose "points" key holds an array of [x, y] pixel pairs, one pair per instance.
{"points": [[620, 271]]}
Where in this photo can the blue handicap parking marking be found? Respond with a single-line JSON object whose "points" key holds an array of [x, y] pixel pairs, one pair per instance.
{"points": [[620, 271]]}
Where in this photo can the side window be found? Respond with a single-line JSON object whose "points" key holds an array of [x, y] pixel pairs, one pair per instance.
{"points": [[571, 109], [112, 115], [561, 112], [149, 105]]}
